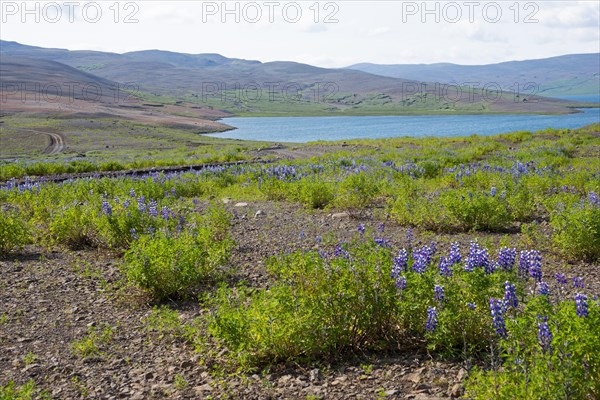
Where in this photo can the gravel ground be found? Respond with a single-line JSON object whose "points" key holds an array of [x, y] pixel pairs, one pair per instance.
{"points": [[50, 299]]}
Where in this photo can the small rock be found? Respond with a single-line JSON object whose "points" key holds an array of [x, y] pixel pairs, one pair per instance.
{"points": [[462, 373], [391, 392], [203, 388], [240, 205], [260, 214], [226, 200], [283, 380], [341, 215], [315, 375], [456, 391], [187, 364], [414, 377], [30, 367]]}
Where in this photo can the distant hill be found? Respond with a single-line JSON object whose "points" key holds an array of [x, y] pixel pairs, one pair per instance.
{"points": [[249, 87], [575, 74], [31, 78]]}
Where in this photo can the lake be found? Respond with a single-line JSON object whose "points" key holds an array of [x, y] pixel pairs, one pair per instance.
{"points": [[307, 129]]}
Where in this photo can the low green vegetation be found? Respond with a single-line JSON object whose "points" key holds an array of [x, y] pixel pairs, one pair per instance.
{"points": [[27, 391], [495, 306], [94, 341]]}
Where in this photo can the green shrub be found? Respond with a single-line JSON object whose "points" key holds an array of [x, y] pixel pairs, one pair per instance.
{"points": [[169, 264], [316, 308], [73, 227], [477, 210], [14, 232], [314, 193], [577, 231], [569, 368], [357, 191]]}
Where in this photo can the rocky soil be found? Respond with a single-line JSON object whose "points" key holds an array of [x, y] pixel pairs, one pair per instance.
{"points": [[51, 299]]}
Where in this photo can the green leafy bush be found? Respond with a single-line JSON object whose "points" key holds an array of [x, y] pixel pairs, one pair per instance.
{"points": [[577, 231], [316, 308], [170, 264], [565, 367], [14, 232]]}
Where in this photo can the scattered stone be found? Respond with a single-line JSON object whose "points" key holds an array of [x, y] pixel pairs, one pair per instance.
{"points": [[187, 364], [240, 205], [203, 388], [315, 375], [456, 391], [462, 374], [284, 380], [260, 214], [415, 377], [390, 392], [341, 215], [226, 200]]}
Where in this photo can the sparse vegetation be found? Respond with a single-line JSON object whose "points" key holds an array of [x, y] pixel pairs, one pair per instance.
{"points": [[510, 211]]}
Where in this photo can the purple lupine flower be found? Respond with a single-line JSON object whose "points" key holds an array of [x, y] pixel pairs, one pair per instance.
{"points": [[340, 252], [560, 278], [444, 266], [323, 254], [134, 234], [578, 282], [454, 257], [361, 229], [478, 257], [422, 258], [544, 333], [195, 201], [535, 265], [496, 308], [510, 295], [530, 263], [319, 239], [381, 227], [131, 193], [594, 199], [152, 208], [431, 319], [383, 242], [126, 203], [438, 292], [141, 204], [523, 263], [582, 305], [165, 213], [433, 248], [543, 289], [173, 192], [493, 191], [151, 231], [400, 263], [409, 238], [401, 283], [506, 258], [302, 234], [106, 208], [472, 306]]}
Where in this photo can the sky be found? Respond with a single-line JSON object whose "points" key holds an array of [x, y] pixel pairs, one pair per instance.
{"points": [[323, 33]]}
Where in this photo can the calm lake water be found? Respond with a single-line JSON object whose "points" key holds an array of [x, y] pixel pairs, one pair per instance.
{"points": [[307, 129]]}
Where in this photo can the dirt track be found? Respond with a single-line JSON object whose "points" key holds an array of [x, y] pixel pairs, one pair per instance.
{"points": [[57, 141]]}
